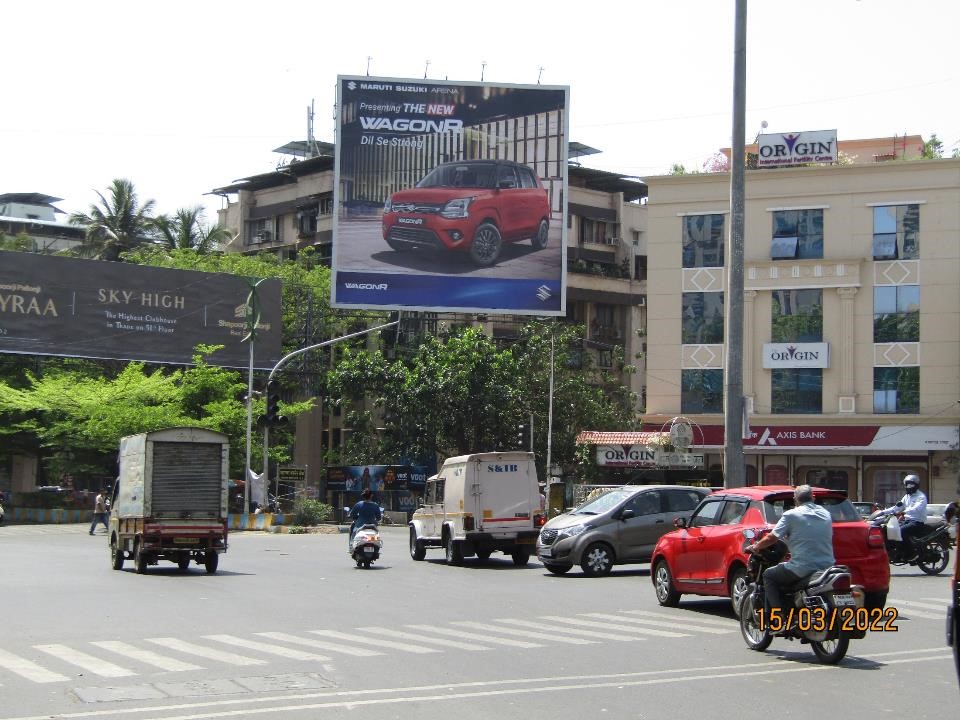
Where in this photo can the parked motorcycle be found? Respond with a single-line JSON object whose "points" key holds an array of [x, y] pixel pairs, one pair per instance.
{"points": [[824, 610], [930, 551], [366, 544]]}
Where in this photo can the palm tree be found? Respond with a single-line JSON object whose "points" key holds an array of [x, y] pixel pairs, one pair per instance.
{"points": [[116, 225], [187, 230]]}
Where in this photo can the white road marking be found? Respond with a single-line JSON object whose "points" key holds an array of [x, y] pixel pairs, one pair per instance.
{"points": [[661, 623], [942, 605], [691, 617], [28, 669], [85, 661], [201, 651], [597, 625], [400, 635], [474, 636], [571, 631], [374, 641], [145, 656], [267, 648], [524, 633], [310, 642]]}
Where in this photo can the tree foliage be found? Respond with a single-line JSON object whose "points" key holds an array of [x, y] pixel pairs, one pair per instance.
{"points": [[118, 224], [188, 230]]}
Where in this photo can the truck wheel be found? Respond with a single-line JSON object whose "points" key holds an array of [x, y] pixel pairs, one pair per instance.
{"points": [[520, 557], [116, 554], [454, 551], [418, 551], [483, 555], [139, 558], [210, 561], [183, 562]]}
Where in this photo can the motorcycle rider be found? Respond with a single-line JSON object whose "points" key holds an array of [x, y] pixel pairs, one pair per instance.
{"points": [[807, 529], [913, 505], [365, 512]]}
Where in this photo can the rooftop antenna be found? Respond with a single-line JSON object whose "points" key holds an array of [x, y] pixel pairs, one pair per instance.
{"points": [[427, 67], [312, 149], [369, 58], [483, 69], [539, 75]]}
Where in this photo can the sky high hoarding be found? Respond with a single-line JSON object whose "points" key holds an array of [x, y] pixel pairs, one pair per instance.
{"points": [[450, 196], [94, 309]]}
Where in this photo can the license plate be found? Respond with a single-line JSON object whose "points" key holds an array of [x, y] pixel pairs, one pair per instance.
{"points": [[184, 541], [545, 552], [369, 549], [526, 541], [844, 601]]}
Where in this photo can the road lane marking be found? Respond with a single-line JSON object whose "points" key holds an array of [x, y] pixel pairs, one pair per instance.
{"points": [[593, 624], [570, 631], [475, 636], [400, 635], [310, 642], [267, 648], [661, 623], [145, 656], [28, 669], [524, 633], [906, 612], [85, 661], [201, 651], [691, 617], [942, 605], [373, 641]]}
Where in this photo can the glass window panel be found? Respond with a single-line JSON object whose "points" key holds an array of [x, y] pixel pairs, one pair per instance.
{"points": [[885, 247], [701, 391], [783, 248], [796, 390], [703, 241], [810, 247], [911, 248], [885, 219], [702, 318], [785, 223], [896, 390], [908, 327], [908, 298], [797, 315], [885, 299]]}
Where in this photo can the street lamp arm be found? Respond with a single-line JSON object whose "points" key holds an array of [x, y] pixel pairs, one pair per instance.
{"points": [[283, 361]]}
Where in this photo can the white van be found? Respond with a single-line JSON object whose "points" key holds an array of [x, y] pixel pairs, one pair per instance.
{"points": [[477, 504]]}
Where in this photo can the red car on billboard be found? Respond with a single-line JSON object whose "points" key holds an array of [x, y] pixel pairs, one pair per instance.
{"points": [[473, 206], [706, 555]]}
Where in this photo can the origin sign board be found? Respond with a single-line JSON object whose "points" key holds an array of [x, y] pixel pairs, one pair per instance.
{"points": [[796, 355], [94, 309], [799, 148], [626, 456]]}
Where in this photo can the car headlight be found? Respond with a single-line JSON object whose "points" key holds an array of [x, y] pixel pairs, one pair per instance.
{"points": [[458, 208], [387, 205], [572, 531]]}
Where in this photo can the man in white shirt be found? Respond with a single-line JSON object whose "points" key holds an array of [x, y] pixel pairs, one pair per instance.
{"points": [[913, 505]]}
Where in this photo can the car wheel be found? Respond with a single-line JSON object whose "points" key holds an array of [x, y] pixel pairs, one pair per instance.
{"points": [[663, 585], [539, 241], [558, 569], [418, 550], [738, 589], [394, 245], [597, 560], [485, 248], [454, 551]]}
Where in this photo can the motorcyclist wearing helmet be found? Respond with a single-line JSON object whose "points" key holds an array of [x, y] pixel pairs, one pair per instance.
{"points": [[913, 505], [365, 512], [807, 529]]}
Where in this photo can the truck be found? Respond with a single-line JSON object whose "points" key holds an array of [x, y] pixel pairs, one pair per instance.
{"points": [[478, 504], [170, 499]]}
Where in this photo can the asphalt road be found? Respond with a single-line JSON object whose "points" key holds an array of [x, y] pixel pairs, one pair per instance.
{"points": [[289, 628]]}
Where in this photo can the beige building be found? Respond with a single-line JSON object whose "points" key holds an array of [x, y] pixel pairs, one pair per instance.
{"points": [[851, 320]]}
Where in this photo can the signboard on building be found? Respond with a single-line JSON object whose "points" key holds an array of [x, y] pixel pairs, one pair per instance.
{"points": [[94, 309], [798, 148], [450, 196], [627, 456], [376, 478], [679, 459], [796, 355]]}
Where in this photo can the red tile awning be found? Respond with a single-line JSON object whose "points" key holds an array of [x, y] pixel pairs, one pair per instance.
{"points": [[600, 437]]}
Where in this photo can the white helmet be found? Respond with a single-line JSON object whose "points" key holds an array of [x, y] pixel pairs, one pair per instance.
{"points": [[911, 483]]}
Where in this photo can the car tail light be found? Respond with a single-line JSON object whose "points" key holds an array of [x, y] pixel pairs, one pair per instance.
{"points": [[539, 520], [875, 538], [468, 522]]}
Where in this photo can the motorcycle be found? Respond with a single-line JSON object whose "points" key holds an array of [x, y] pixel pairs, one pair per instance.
{"points": [[930, 551], [824, 610], [366, 544]]}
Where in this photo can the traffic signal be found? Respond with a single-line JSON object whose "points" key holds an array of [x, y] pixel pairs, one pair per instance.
{"points": [[273, 416]]}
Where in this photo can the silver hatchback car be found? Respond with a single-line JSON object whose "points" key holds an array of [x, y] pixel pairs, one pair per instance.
{"points": [[619, 527]]}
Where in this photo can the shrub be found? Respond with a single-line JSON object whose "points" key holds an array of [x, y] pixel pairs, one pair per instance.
{"points": [[311, 512]]}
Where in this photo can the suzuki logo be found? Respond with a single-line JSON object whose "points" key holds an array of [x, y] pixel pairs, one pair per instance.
{"points": [[765, 439], [352, 85], [543, 293]]}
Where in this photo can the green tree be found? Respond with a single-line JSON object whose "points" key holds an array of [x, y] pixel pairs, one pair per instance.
{"points": [[118, 224], [188, 230], [932, 148]]}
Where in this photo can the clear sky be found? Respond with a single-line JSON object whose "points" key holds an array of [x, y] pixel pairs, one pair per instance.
{"points": [[182, 97]]}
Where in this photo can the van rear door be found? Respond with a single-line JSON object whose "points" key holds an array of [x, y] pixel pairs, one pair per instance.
{"points": [[504, 488]]}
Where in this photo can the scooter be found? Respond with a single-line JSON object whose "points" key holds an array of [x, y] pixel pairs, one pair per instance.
{"points": [[366, 545], [930, 551], [824, 610]]}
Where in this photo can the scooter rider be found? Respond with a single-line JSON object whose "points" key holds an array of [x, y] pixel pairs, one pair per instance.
{"points": [[807, 529], [365, 512], [913, 505]]}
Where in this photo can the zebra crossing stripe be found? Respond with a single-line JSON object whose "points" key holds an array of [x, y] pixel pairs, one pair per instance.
{"points": [[145, 656], [726, 624], [570, 631], [310, 642], [606, 626], [28, 669], [85, 661], [347, 637], [475, 636], [400, 635], [268, 648], [660, 623], [906, 612], [552, 637], [941, 606], [200, 651]]}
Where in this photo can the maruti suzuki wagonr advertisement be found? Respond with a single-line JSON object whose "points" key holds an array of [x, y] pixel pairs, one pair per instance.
{"points": [[450, 196]]}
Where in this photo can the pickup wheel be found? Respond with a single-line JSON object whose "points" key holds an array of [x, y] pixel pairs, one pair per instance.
{"points": [[210, 562], [485, 248], [520, 558], [539, 241], [139, 558], [483, 555], [418, 551], [116, 554], [454, 551]]}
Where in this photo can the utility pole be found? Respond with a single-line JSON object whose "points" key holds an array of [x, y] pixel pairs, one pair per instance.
{"points": [[734, 474]]}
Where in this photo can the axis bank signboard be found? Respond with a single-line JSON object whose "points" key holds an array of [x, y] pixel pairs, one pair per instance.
{"points": [[796, 355], [799, 148]]}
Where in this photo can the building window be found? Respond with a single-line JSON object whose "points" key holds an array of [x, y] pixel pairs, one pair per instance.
{"points": [[797, 390], [701, 391], [703, 241], [797, 234], [594, 231], [896, 230], [896, 313], [896, 390], [797, 316], [702, 318]]}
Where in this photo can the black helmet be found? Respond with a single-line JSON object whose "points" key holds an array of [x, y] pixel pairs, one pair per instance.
{"points": [[911, 483]]}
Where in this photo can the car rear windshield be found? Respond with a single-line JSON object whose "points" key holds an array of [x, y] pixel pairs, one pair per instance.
{"points": [[841, 509], [461, 175]]}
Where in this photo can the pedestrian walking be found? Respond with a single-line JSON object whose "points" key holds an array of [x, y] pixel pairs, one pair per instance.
{"points": [[99, 512]]}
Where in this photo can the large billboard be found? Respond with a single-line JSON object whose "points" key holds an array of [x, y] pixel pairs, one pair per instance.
{"points": [[94, 309], [798, 148], [450, 196]]}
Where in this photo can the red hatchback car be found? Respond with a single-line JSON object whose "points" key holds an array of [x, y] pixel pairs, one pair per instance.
{"points": [[472, 206], [706, 557]]}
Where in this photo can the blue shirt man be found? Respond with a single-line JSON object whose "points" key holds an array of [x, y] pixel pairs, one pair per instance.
{"points": [[365, 512]]}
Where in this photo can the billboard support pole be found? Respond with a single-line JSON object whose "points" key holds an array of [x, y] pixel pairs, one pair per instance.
{"points": [[246, 473]]}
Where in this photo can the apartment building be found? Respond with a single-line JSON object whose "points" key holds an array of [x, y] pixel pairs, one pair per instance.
{"points": [[34, 216], [851, 320]]}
